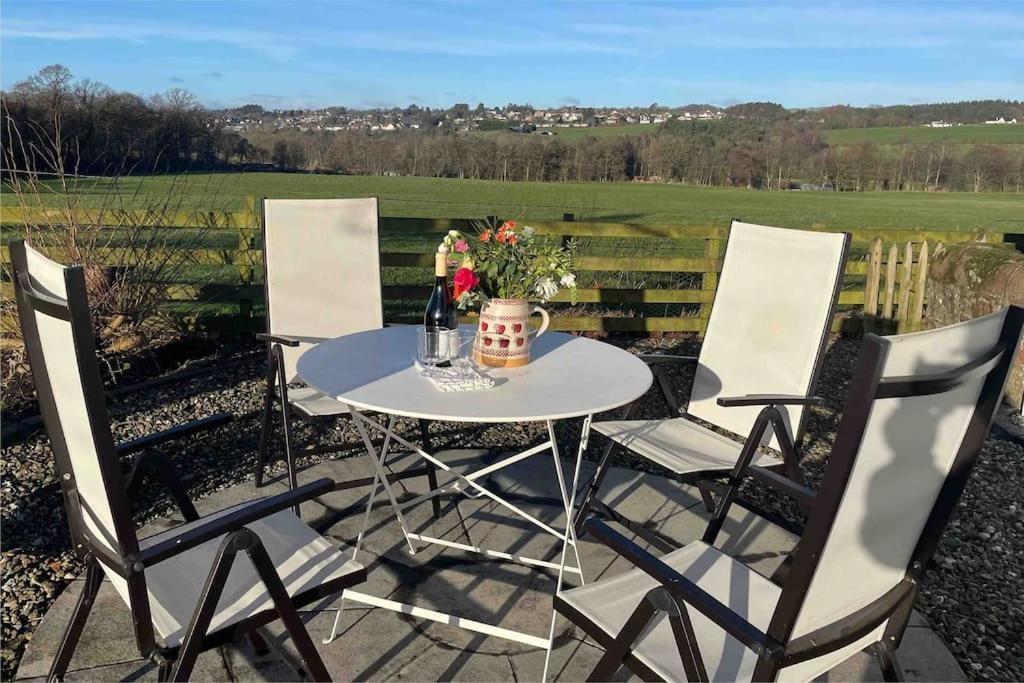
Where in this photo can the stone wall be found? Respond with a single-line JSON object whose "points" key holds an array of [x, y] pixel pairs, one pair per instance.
{"points": [[969, 280]]}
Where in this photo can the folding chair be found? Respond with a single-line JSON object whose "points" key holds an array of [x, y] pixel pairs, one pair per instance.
{"points": [[918, 413], [321, 267], [186, 587], [761, 356]]}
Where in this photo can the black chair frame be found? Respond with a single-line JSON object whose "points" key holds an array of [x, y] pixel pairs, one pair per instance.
{"points": [[122, 553], [776, 648], [708, 482], [277, 391]]}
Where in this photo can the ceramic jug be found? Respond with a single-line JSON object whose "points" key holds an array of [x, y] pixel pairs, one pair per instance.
{"points": [[504, 336]]}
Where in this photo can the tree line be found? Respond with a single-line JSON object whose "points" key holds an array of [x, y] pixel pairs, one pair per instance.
{"points": [[52, 121], [761, 145], [737, 153]]}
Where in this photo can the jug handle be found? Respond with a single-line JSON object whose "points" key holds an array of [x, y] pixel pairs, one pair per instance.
{"points": [[545, 321]]}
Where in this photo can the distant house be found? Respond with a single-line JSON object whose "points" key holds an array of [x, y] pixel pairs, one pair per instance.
{"points": [[939, 124], [1000, 121]]}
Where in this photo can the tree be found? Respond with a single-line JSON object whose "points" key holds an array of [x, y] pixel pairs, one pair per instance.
{"points": [[986, 165], [280, 154]]}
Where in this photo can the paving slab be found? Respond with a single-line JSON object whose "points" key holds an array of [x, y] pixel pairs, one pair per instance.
{"points": [[377, 644], [107, 649]]}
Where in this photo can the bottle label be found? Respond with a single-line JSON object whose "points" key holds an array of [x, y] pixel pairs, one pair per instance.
{"points": [[441, 265]]}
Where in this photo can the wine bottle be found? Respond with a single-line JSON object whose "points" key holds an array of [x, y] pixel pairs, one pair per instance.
{"points": [[441, 314]]}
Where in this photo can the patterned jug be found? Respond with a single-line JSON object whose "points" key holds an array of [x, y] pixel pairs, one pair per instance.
{"points": [[504, 336]]}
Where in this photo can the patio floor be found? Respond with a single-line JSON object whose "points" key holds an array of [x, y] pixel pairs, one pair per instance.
{"points": [[376, 644]]}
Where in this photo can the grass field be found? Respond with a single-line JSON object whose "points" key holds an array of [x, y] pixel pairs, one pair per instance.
{"points": [[973, 134], [614, 202], [610, 202]]}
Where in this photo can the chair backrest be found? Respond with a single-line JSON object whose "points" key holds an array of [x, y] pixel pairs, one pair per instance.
{"points": [[769, 323], [321, 269], [54, 312], [917, 415]]}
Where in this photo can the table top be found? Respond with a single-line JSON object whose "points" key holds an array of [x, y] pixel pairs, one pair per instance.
{"points": [[567, 376]]}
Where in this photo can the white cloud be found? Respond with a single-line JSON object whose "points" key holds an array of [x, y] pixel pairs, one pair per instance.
{"points": [[822, 92], [287, 45], [257, 41], [781, 25]]}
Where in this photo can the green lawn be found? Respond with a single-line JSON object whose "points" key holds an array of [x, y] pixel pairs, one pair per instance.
{"points": [[615, 202], [972, 134]]}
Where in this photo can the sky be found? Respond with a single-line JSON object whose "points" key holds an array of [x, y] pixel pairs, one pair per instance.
{"points": [[435, 53]]}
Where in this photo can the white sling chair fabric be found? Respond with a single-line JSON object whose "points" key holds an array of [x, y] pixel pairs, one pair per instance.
{"points": [[58, 348], [303, 558], [906, 454], [772, 308], [323, 271], [908, 449]]}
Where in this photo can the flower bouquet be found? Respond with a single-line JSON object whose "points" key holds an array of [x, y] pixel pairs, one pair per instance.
{"points": [[502, 270]]}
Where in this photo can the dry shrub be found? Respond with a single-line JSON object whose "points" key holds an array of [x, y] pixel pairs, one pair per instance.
{"points": [[122, 228]]}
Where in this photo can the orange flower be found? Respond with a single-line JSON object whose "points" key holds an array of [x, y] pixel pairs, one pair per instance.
{"points": [[485, 235], [512, 239], [508, 225], [501, 236]]}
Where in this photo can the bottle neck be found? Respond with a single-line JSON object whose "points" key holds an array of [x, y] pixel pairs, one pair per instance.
{"points": [[441, 265]]}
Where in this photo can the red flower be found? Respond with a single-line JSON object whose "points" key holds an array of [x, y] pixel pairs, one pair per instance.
{"points": [[465, 280], [508, 225], [485, 235]]}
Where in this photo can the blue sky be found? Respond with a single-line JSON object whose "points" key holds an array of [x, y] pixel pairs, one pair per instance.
{"points": [[435, 53]]}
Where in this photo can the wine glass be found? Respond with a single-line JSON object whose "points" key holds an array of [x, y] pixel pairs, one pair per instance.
{"points": [[436, 347]]}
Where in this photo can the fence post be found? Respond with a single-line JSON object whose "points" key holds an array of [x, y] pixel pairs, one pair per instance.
{"points": [[903, 311], [917, 312], [244, 259], [890, 284], [709, 279], [871, 285], [567, 218]]}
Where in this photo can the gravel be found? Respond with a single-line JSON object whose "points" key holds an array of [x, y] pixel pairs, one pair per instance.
{"points": [[971, 598]]}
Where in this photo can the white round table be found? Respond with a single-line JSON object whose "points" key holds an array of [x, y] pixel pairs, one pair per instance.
{"points": [[567, 377]]}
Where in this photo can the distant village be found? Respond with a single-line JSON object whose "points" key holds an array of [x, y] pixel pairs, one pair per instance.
{"points": [[460, 117], [515, 118], [1001, 121]]}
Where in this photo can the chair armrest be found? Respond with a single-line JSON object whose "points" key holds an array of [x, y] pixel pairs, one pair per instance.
{"points": [[770, 400], [287, 339], [177, 432], [232, 521], [664, 359], [682, 588]]}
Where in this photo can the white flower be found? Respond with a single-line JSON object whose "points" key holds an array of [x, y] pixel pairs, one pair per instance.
{"points": [[568, 280], [453, 234], [546, 288], [526, 231]]}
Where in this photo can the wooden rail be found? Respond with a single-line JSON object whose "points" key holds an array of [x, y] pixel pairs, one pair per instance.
{"points": [[891, 263]]}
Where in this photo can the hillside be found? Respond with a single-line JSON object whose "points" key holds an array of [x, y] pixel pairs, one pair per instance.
{"points": [[971, 134]]}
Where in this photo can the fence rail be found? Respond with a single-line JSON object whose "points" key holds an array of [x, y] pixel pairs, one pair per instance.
{"points": [[885, 276]]}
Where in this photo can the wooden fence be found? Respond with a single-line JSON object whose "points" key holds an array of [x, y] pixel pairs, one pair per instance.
{"points": [[885, 275]]}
